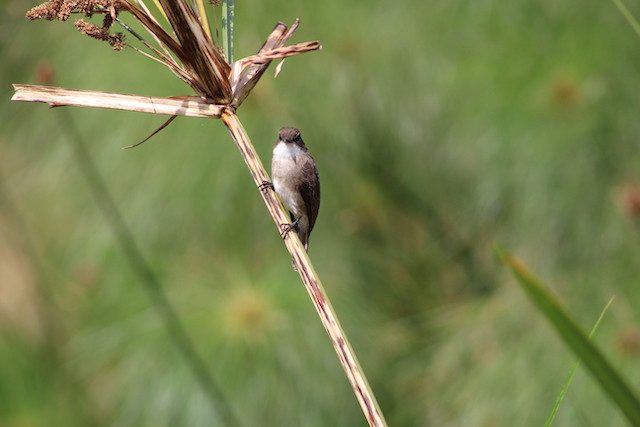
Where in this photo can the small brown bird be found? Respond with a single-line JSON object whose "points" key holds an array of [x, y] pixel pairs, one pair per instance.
{"points": [[295, 179]]}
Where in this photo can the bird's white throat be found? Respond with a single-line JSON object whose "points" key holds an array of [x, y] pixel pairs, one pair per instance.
{"points": [[284, 151]]}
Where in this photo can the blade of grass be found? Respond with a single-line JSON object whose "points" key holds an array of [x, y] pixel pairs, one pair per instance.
{"points": [[572, 372], [228, 10], [155, 37], [198, 53], [574, 337], [628, 16], [204, 18], [159, 6]]}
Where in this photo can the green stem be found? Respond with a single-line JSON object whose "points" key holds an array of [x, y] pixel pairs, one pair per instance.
{"points": [[228, 7]]}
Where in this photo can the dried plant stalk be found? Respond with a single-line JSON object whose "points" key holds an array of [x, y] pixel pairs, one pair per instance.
{"points": [[266, 56], [57, 97], [198, 51], [244, 79], [309, 277]]}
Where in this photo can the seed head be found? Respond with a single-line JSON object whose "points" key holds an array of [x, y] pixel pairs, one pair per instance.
{"points": [[116, 40]]}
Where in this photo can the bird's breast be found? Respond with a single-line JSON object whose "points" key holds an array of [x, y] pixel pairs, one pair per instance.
{"points": [[285, 164], [286, 171]]}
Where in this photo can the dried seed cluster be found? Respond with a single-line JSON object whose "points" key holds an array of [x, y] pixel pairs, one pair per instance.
{"points": [[189, 51], [116, 40], [62, 9]]}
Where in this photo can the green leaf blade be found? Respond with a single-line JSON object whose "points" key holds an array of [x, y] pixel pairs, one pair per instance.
{"points": [[572, 335], [565, 387]]}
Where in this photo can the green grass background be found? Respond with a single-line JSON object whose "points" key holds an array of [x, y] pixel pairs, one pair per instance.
{"points": [[439, 128]]}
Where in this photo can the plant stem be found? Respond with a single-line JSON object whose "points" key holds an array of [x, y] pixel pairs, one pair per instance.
{"points": [[57, 97], [309, 277], [228, 7]]}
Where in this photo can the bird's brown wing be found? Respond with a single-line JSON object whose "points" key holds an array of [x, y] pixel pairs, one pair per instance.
{"points": [[310, 191]]}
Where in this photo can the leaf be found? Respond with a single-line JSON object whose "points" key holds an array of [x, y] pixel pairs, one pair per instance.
{"points": [[565, 387], [154, 133], [278, 68], [250, 75], [611, 382], [248, 71], [198, 52]]}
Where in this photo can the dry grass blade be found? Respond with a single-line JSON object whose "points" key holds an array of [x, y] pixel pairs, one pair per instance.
{"points": [[58, 97], [244, 79], [288, 34], [159, 7], [204, 19], [164, 40], [152, 25], [247, 73], [201, 73], [282, 52], [198, 52], [148, 12], [154, 133], [240, 74]]}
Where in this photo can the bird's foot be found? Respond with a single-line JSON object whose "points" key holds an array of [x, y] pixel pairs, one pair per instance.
{"points": [[286, 228], [266, 185]]}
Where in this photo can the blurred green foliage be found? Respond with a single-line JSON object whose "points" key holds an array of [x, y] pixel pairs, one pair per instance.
{"points": [[439, 128]]}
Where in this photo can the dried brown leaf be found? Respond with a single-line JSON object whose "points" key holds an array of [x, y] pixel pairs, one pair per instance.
{"points": [[246, 78], [249, 70], [198, 52]]}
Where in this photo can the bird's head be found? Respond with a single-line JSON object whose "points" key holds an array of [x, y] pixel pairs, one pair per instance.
{"points": [[290, 135]]}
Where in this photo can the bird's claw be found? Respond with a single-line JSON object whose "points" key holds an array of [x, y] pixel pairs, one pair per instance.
{"points": [[266, 185], [286, 228]]}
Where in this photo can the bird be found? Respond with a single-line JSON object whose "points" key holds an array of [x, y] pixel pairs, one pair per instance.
{"points": [[296, 181]]}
